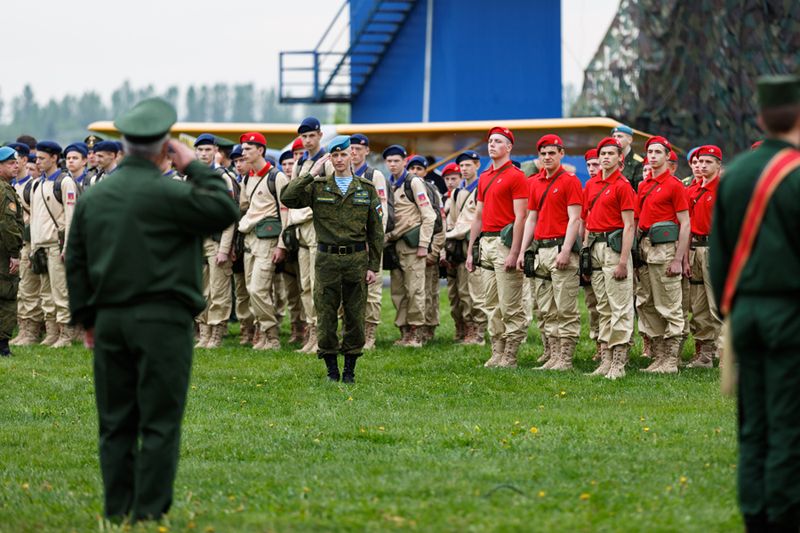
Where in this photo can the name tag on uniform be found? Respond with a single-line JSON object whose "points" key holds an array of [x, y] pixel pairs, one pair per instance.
{"points": [[326, 199], [361, 198]]}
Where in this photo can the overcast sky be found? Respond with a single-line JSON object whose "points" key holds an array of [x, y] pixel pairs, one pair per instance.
{"points": [[70, 47]]}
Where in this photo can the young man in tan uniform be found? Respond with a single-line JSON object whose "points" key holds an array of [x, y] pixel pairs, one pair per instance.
{"points": [[359, 149], [412, 236], [287, 289], [217, 265], [261, 224], [469, 285], [52, 206]]}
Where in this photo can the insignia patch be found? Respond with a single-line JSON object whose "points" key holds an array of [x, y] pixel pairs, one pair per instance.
{"points": [[382, 193], [608, 192], [555, 190], [12, 206], [71, 196], [379, 210], [422, 200]]}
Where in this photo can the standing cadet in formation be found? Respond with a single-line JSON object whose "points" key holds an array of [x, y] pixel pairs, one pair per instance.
{"points": [[52, 204], [754, 261], [75, 159], [589, 296], [499, 223], [553, 224], [451, 174], [262, 224], [631, 161], [347, 219], [359, 149], [242, 305], [135, 286], [91, 158], [217, 271], [11, 227], [105, 152]]}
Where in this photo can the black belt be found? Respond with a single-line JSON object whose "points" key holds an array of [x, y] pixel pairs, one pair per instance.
{"points": [[549, 243], [346, 249], [601, 236], [490, 234], [699, 240]]}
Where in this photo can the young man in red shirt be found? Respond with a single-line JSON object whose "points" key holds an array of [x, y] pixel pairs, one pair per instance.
{"points": [[706, 324], [589, 297], [608, 208], [554, 217], [502, 197], [663, 222]]}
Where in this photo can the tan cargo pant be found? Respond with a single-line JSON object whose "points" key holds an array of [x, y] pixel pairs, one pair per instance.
{"points": [[556, 294], [456, 287], [614, 297], [658, 295], [217, 292], [503, 290], [30, 286], [408, 287], [259, 274], [477, 297], [590, 299], [432, 295], [287, 294], [372, 313], [306, 257], [243, 312], [706, 324], [58, 300]]}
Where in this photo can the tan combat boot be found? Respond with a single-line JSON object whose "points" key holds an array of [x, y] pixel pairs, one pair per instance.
{"points": [[704, 358], [403, 336], [311, 344], [606, 357], [554, 348], [566, 353], [204, 336], [64, 337], [480, 333], [414, 337], [698, 354], [647, 346], [272, 340], [370, 329], [498, 351], [656, 354], [618, 361], [461, 332], [52, 332], [298, 333], [671, 356], [598, 351], [215, 338], [258, 336], [509, 359], [25, 335], [246, 333], [546, 353]]}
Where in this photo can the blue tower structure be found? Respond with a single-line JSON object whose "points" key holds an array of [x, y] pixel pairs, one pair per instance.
{"points": [[433, 61]]}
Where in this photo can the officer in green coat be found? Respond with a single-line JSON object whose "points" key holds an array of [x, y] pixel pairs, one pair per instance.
{"points": [[765, 316], [348, 221], [134, 277], [11, 227]]}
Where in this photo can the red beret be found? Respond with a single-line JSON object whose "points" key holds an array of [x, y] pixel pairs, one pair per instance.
{"points": [[590, 154], [297, 145], [673, 156], [550, 140], [253, 137], [658, 140], [709, 149], [756, 145], [505, 132], [609, 141], [451, 168]]}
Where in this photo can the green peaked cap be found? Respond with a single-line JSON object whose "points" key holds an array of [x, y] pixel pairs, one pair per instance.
{"points": [[777, 91], [149, 120]]}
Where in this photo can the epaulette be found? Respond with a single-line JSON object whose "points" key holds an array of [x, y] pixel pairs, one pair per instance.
{"points": [[365, 181], [637, 157]]}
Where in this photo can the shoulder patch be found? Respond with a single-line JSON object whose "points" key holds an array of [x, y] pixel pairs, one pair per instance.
{"points": [[12, 206], [365, 181], [637, 157]]}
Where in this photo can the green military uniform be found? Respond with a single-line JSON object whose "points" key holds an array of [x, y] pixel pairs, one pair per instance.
{"points": [[133, 271], [632, 169], [11, 229], [349, 230], [765, 325]]}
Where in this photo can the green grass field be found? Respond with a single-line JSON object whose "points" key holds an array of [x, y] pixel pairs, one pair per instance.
{"points": [[427, 440]]}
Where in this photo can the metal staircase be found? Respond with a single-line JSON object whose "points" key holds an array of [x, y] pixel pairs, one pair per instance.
{"points": [[343, 60]]}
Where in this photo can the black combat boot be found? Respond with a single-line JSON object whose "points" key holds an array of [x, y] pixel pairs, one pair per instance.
{"points": [[349, 374], [5, 350], [332, 363]]}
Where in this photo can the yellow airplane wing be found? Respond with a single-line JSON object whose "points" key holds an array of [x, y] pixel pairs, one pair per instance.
{"points": [[278, 135]]}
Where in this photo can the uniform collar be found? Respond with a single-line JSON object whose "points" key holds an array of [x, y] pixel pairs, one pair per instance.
{"points": [[710, 186], [661, 177], [399, 181], [263, 172], [362, 169], [560, 170], [471, 186], [21, 181], [612, 178], [502, 167], [53, 176]]}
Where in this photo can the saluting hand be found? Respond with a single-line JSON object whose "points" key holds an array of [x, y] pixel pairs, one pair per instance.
{"points": [[318, 166], [181, 155]]}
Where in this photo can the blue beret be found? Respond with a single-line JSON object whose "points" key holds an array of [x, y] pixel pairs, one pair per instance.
{"points": [[106, 146], [236, 152], [22, 149], [205, 138], [79, 147], [468, 155], [395, 149], [309, 124], [339, 143], [49, 147], [7, 153], [622, 128], [359, 138], [120, 148], [417, 160], [288, 154]]}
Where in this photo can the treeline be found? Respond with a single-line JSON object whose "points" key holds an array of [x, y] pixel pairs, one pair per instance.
{"points": [[65, 120]]}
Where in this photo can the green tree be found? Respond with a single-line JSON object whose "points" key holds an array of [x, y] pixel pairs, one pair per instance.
{"points": [[243, 103]]}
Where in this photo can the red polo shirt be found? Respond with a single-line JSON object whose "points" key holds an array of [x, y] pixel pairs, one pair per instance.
{"points": [[613, 196], [498, 206], [668, 197], [565, 191], [701, 205]]}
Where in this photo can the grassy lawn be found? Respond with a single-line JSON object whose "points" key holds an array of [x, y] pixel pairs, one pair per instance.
{"points": [[426, 440]]}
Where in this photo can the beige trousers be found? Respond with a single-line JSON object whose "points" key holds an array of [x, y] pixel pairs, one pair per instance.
{"points": [[217, 292], [57, 275], [658, 296], [590, 298], [260, 276], [706, 324], [614, 298], [432, 295], [372, 312], [503, 291], [30, 286], [408, 287], [243, 312], [306, 257], [556, 294]]}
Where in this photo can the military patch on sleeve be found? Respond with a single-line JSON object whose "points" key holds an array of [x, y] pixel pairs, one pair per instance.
{"points": [[12, 206], [422, 200], [382, 193], [70, 197], [379, 210]]}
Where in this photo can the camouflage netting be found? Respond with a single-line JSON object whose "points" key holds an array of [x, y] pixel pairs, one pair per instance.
{"points": [[687, 69]]}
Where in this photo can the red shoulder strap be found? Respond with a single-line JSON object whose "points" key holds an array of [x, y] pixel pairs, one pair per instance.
{"points": [[780, 166]]}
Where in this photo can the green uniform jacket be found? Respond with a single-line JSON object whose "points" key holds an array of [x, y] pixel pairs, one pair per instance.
{"points": [[632, 169], [775, 260], [353, 218], [11, 225], [137, 237]]}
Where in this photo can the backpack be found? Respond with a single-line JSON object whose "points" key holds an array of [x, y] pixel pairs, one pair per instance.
{"points": [[33, 184], [389, 214], [237, 190], [435, 198]]}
